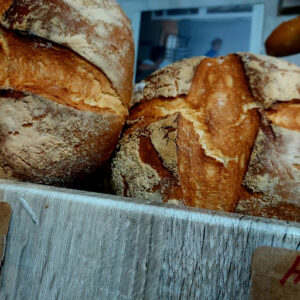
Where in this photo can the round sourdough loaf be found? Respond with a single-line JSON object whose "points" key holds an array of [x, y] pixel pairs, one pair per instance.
{"points": [[65, 87], [195, 132]]}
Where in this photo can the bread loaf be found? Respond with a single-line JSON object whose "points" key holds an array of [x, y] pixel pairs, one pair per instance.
{"points": [[284, 39], [195, 130], [97, 30], [62, 106]]}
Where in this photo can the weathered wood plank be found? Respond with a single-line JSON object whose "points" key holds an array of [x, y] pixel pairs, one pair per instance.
{"points": [[65, 244]]}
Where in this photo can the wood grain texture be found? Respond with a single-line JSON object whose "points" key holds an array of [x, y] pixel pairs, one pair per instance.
{"points": [[65, 244], [5, 212]]}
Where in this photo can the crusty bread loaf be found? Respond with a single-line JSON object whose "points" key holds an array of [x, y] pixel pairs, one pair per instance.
{"points": [[195, 124], [284, 39], [62, 110], [97, 30], [212, 132]]}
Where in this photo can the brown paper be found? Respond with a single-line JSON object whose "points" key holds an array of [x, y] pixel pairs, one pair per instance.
{"points": [[5, 212], [275, 274]]}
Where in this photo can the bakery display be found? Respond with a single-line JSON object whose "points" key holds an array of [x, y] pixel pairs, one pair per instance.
{"points": [[284, 39], [65, 87], [212, 133], [215, 133]]}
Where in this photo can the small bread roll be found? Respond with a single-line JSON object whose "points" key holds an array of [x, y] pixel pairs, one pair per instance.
{"points": [[65, 87], [195, 124], [284, 39]]}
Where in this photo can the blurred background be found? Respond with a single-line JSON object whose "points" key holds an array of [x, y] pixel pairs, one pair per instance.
{"points": [[168, 30]]}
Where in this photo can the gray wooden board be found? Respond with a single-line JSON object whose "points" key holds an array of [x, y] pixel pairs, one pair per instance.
{"points": [[66, 244]]}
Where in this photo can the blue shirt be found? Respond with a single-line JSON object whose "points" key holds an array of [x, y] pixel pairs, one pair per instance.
{"points": [[211, 53]]}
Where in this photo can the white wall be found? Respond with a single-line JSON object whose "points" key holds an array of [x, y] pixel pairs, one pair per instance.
{"points": [[132, 5], [234, 33], [133, 8], [271, 20]]}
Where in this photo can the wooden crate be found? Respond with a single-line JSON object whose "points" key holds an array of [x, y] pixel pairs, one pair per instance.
{"points": [[66, 244]]}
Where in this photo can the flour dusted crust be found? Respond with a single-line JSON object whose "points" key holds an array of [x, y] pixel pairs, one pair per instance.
{"points": [[171, 81], [271, 79], [65, 87], [142, 149], [274, 165], [205, 163], [97, 30], [205, 140], [273, 175], [46, 142]]}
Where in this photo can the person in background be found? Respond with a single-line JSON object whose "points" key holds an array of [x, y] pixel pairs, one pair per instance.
{"points": [[215, 47], [148, 66]]}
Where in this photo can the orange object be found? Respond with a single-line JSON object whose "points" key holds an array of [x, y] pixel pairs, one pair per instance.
{"points": [[285, 39]]}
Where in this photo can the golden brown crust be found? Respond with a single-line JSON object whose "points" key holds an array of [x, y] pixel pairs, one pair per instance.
{"points": [[98, 31], [139, 169], [272, 168], [197, 133], [46, 142], [286, 115], [30, 65], [204, 164], [220, 92], [285, 39]]}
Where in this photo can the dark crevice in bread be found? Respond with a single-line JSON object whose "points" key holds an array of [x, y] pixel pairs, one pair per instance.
{"points": [[9, 93]]}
